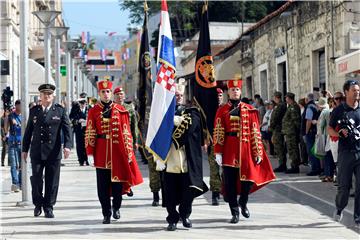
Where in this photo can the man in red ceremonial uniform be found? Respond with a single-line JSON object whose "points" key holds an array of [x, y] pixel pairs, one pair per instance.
{"points": [[239, 150], [109, 146]]}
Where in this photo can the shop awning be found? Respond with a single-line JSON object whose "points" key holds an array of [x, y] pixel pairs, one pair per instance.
{"points": [[36, 77], [349, 63]]}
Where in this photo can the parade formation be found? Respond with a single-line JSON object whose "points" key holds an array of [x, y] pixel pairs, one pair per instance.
{"points": [[183, 128]]}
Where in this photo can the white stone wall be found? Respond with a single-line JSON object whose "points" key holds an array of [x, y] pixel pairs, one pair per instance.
{"points": [[302, 34]]}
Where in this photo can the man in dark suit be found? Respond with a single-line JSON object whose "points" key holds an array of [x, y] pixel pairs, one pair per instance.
{"points": [[43, 130], [78, 116]]}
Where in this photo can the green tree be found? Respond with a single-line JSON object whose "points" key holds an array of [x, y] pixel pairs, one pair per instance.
{"points": [[184, 15]]}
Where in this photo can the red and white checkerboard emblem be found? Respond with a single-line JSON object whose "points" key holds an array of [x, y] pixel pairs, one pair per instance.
{"points": [[166, 77]]}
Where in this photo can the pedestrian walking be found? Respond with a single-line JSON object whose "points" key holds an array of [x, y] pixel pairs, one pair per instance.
{"points": [[43, 138], [344, 123]]}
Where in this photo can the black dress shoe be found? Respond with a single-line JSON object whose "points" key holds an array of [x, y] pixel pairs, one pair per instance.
{"points": [[116, 214], [245, 212], [281, 168], [234, 219], [48, 213], [106, 220], [293, 170], [37, 211], [171, 227], [186, 222], [130, 194]]}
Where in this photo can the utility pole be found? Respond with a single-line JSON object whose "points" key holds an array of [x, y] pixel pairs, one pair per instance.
{"points": [[24, 78]]}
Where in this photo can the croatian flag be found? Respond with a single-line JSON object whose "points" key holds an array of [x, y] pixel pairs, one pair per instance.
{"points": [[161, 121]]}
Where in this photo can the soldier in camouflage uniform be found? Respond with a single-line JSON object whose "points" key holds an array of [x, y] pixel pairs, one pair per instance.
{"points": [[277, 136], [154, 176], [119, 97], [291, 129], [215, 180]]}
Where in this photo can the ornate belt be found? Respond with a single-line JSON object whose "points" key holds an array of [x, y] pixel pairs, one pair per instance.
{"points": [[232, 134], [105, 136]]}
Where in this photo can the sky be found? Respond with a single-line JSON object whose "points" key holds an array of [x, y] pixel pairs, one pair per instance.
{"points": [[95, 16]]}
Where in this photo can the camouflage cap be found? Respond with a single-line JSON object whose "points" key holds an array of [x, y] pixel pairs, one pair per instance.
{"points": [[290, 95], [277, 94]]}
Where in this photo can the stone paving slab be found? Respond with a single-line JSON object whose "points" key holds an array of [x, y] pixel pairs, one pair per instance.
{"points": [[78, 215]]}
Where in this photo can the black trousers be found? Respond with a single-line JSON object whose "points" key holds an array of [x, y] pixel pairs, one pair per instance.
{"points": [[106, 188], [80, 145], [177, 190], [231, 176], [52, 176], [348, 165]]}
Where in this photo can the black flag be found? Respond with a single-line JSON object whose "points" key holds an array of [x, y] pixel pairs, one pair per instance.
{"points": [[145, 86], [205, 93]]}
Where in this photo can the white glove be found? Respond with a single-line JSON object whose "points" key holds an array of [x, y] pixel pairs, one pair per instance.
{"points": [[258, 160], [178, 120], [91, 160], [160, 166], [218, 159]]}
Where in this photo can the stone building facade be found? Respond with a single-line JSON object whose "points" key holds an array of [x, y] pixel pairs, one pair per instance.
{"points": [[292, 49], [10, 39]]}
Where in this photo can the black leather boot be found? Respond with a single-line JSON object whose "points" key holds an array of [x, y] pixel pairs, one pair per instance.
{"points": [[215, 198], [156, 199]]}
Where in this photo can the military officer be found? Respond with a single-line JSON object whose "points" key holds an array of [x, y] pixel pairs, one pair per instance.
{"points": [[78, 117], [239, 150], [277, 136], [109, 146], [291, 123], [42, 134]]}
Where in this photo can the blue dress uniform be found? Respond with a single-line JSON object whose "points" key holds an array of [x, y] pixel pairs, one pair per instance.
{"points": [[43, 137], [79, 128]]}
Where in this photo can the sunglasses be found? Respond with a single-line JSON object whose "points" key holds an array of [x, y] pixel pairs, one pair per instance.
{"points": [[338, 98], [352, 82]]}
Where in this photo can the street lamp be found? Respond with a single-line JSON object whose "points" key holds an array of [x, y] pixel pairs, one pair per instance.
{"points": [[69, 46], [57, 32], [47, 17]]}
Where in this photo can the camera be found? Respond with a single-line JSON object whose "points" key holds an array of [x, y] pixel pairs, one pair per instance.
{"points": [[6, 98], [349, 125]]}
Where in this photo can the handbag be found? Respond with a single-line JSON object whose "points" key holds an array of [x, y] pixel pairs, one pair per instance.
{"points": [[319, 145]]}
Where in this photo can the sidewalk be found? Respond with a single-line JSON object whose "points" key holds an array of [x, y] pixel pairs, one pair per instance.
{"points": [[278, 211]]}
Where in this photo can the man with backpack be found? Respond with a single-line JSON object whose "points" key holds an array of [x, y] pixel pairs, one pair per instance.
{"points": [[309, 127]]}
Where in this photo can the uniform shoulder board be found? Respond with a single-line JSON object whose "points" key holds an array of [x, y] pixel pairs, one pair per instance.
{"points": [[58, 105], [36, 108]]}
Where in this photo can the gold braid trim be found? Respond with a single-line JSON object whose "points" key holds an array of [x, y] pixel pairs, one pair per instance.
{"points": [[128, 141], [90, 135], [219, 132], [257, 147], [180, 130]]}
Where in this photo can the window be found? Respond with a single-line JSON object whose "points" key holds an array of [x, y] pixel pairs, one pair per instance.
{"points": [[263, 84]]}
